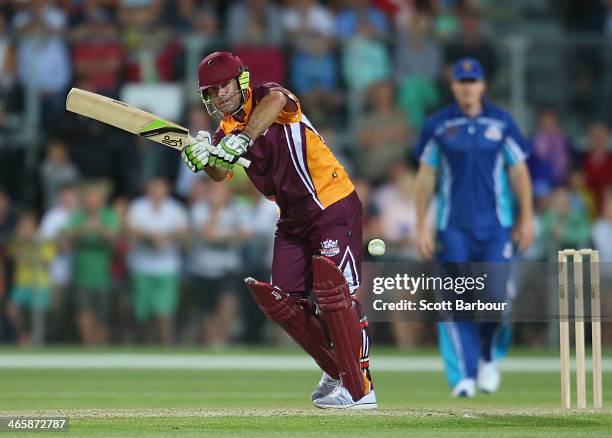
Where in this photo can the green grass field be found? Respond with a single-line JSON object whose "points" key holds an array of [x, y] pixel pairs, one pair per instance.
{"points": [[259, 402]]}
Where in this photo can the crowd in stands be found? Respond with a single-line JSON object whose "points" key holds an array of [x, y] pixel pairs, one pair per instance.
{"points": [[112, 239]]}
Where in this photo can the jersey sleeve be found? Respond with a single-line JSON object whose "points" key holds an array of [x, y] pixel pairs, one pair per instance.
{"points": [[263, 90], [427, 149], [516, 147]]}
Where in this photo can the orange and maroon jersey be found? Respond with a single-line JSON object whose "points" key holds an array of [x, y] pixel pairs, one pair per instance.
{"points": [[291, 162]]}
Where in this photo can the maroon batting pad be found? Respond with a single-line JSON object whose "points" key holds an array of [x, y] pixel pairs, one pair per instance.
{"points": [[298, 320], [334, 299]]}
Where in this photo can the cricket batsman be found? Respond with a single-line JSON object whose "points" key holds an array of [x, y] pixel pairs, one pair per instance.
{"points": [[474, 154], [318, 237]]}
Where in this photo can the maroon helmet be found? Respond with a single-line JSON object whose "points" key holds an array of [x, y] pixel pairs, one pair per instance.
{"points": [[218, 68]]}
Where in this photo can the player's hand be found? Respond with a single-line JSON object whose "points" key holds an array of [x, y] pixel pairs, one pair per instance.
{"points": [[523, 234], [218, 159], [234, 146], [425, 242], [197, 156]]}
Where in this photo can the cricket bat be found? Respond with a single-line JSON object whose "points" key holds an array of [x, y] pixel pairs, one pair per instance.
{"points": [[132, 119]]}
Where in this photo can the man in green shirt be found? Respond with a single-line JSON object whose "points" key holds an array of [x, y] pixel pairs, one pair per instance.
{"points": [[91, 231]]}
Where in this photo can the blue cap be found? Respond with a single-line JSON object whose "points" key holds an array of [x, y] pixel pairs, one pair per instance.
{"points": [[468, 68]]}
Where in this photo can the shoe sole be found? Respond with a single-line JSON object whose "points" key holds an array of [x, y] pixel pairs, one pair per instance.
{"points": [[360, 406]]}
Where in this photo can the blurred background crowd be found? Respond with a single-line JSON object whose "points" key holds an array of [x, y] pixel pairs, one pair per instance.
{"points": [[75, 262]]}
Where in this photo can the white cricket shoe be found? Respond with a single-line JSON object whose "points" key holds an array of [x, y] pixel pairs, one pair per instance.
{"points": [[326, 385], [489, 377], [465, 388], [340, 398]]}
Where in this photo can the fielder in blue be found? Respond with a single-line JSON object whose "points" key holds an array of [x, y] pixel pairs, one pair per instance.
{"points": [[472, 154]]}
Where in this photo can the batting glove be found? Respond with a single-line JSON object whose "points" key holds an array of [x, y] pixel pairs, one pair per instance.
{"points": [[234, 146], [197, 155], [218, 159]]}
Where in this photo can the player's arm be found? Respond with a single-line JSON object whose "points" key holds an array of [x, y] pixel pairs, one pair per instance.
{"points": [[521, 184], [217, 174], [427, 152], [424, 187], [516, 151], [266, 112]]}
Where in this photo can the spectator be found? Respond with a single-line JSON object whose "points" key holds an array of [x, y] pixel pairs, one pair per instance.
{"points": [[602, 229], [383, 134], [549, 163], [43, 60], [180, 15], [152, 50], [122, 320], [139, 14], [314, 66], [92, 231], [365, 60], [45, 11], [153, 56], [398, 223], [156, 224], [97, 54], [581, 196], [418, 59], [56, 171], [200, 190], [8, 217], [472, 43], [446, 22], [265, 59], [306, 18], [8, 220], [145, 160], [30, 294], [598, 162], [243, 13], [218, 228], [359, 14], [204, 38], [563, 225], [7, 59], [52, 225]]}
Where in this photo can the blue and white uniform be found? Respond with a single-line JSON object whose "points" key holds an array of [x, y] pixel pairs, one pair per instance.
{"points": [[475, 213]]}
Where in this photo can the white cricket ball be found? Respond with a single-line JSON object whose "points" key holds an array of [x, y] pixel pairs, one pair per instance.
{"points": [[377, 247]]}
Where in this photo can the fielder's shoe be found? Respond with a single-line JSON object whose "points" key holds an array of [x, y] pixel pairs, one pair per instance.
{"points": [[325, 387], [465, 388], [340, 398], [489, 377]]}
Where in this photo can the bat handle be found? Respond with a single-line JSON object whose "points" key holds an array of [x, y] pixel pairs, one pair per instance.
{"points": [[244, 162]]}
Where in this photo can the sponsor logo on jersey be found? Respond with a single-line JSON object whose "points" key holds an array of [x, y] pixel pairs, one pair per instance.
{"points": [[330, 248], [493, 133]]}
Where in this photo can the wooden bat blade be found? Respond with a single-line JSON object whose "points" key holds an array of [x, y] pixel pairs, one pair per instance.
{"points": [[129, 118]]}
